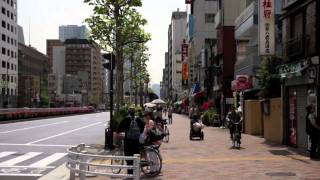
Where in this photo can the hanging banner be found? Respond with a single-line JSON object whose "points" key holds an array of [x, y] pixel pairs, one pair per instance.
{"points": [[185, 71], [184, 51], [266, 28]]}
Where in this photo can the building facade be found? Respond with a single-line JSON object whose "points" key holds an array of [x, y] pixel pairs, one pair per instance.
{"points": [[9, 53], [223, 69], [201, 39], [177, 34], [84, 56], [300, 68], [72, 32], [33, 77]]}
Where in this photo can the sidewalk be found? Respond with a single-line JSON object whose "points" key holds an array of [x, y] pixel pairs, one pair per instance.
{"points": [[214, 158]]}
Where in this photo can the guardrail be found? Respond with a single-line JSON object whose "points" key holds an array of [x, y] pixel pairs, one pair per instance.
{"points": [[80, 161]]}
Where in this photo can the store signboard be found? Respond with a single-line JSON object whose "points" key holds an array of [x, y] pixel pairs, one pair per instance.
{"points": [[184, 51], [266, 27], [185, 71]]}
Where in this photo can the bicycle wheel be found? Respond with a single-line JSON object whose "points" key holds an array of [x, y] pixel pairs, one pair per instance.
{"points": [[166, 132], [117, 162], [151, 163]]}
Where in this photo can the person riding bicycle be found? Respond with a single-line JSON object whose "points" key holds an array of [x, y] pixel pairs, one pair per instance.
{"points": [[233, 117], [132, 127]]}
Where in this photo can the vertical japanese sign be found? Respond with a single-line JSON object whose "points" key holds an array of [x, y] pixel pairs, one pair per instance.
{"points": [[266, 27], [184, 57]]}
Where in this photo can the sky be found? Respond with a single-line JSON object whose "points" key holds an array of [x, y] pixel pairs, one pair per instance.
{"points": [[43, 18]]}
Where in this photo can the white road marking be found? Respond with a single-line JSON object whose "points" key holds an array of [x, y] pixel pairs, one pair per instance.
{"points": [[64, 133], [23, 175], [45, 125], [33, 167], [48, 160], [6, 153], [35, 145], [19, 159]]}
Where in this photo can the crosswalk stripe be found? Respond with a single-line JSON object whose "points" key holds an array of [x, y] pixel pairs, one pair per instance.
{"points": [[48, 160], [20, 159], [6, 153]]}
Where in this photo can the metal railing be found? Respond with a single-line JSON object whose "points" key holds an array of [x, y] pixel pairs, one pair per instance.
{"points": [[80, 161]]}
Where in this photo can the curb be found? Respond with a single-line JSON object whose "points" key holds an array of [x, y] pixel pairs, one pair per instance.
{"points": [[60, 173]]}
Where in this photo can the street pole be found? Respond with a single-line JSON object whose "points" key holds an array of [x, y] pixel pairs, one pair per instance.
{"points": [[111, 104]]}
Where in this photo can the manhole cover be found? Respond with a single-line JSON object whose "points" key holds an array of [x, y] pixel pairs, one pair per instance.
{"points": [[281, 174], [280, 152]]}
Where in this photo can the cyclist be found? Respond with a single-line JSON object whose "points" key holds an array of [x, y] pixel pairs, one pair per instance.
{"points": [[153, 133], [131, 140], [233, 117]]}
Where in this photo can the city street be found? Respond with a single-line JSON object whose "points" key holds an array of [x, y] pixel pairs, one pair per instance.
{"points": [[30, 149], [214, 158]]}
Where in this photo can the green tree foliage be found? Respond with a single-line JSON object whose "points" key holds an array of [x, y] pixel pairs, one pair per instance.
{"points": [[269, 79], [115, 24]]}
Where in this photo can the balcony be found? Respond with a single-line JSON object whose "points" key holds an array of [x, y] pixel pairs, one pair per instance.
{"points": [[296, 47]]}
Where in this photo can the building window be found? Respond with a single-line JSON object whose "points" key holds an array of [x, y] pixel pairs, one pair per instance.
{"points": [[11, 91], [11, 41], [3, 10], [12, 16], [12, 79], [8, 26], [3, 91], [11, 28], [3, 37], [3, 24], [12, 55], [3, 64], [15, 67], [4, 51], [8, 13], [8, 52], [209, 18], [11, 66]]}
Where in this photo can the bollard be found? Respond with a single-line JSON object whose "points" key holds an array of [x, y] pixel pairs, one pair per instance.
{"points": [[136, 167], [72, 164], [82, 167]]}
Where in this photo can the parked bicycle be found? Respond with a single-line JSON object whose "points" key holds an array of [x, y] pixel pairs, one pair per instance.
{"points": [[151, 160]]}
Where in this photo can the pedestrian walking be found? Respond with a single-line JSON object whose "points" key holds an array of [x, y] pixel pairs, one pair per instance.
{"points": [[233, 117], [170, 111], [132, 127], [313, 130]]}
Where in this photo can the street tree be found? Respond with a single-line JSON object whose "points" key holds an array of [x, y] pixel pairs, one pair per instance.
{"points": [[115, 24]]}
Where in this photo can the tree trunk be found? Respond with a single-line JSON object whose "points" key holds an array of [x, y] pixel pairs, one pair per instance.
{"points": [[141, 93]]}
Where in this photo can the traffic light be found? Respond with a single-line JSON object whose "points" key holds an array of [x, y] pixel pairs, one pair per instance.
{"points": [[109, 58]]}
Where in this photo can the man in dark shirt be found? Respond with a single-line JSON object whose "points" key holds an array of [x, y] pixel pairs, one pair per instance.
{"points": [[131, 146]]}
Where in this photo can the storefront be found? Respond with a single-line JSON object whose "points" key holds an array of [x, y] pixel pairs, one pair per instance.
{"points": [[300, 88]]}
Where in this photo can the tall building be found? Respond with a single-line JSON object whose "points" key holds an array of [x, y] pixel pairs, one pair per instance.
{"points": [[84, 56], [20, 35], [225, 57], [201, 39], [33, 77], [177, 34], [9, 53], [165, 79], [72, 32], [51, 43]]}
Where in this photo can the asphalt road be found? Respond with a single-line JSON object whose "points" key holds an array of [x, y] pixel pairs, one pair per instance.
{"points": [[31, 149]]}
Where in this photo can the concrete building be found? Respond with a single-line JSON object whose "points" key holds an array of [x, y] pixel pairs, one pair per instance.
{"points": [[58, 70], [33, 77], [72, 32], [50, 44], [223, 71], [300, 69], [177, 33], [164, 92], [8, 53], [84, 56], [20, 35], [201, 38]]}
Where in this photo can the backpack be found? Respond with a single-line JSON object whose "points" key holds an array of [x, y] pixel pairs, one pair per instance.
{"points": [[134, 130]]}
